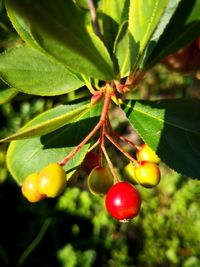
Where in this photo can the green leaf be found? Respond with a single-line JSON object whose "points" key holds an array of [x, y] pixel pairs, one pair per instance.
{"points": [[7, 94], [167, 15], [50, 121], [144, 16], [82, 4], [183, 28], [21, 25], [172, 129], [32, 72], [59, 28], [30, 155], [114, 12], [121, 50]]}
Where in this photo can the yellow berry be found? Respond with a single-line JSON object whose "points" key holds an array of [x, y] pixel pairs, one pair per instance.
{"points": [[145, 153], [129, 173], [30, 188], [147, 174], [52, 180]]}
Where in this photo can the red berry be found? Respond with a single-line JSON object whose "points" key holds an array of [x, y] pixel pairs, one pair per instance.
{"points": [[123, 201]]}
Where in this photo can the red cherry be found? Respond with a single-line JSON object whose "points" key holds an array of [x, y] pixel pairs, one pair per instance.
{"points": [[123, 201]]}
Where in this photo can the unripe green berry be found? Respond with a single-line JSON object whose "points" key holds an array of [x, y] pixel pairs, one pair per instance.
{"points": [[129, 173], [100, 180]]}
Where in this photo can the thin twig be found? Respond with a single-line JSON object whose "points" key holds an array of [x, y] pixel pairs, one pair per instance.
{"points": [[94, 18], [77, 148], [34, 243], [121, 137], [120, 148], [110, 165], [101, 122], [94, 145]]}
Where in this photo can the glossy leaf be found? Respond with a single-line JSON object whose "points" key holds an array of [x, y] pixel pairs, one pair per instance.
{"points": [[7, 94], [114, 13], [82, 4], [121, 50], [30, 155], [183, 28], [167, 15], [21, 25], [32, 72], [144, 16], [59, 28], [50, 120], [172, 129]]}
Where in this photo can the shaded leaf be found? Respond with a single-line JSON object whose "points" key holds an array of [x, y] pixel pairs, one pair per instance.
{"points": [[114, 12], [144, 16], [50, 120], [167, 15], [59, 28], [30, 155], [172, 129], [32, 72], [7, 94], [183, 28], [122, 51], [21, 25]]}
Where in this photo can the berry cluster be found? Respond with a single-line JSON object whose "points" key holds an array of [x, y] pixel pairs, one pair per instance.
{"points": [[122, 199], [146, 171], [48, 182]]}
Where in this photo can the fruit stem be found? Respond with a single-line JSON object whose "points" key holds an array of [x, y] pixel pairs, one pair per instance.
{"points": [[110, 165], [102, 122], [104, 117], [88, 85], [94, 145], [126, 154], [121, 137], [77, 148]]}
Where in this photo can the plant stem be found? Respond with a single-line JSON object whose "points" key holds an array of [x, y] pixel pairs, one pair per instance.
{"points": [[88, 85], [102, 121], [120, 148], [94, 145], [110, 165], [121, 137], [34, 243], [94, 18], [104, 117], [77, 148]]}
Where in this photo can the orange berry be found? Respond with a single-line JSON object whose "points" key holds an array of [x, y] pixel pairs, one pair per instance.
{"points": [[30, 188]]}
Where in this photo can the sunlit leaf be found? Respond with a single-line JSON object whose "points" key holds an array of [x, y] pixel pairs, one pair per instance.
{"points": [[7, 94], [172, 129], [59, 28], [30, 155], [50, 120], [32, 72]]}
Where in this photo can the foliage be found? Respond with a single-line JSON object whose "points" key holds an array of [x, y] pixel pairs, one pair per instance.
{"points": [[62, 72], [62, 53]]}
